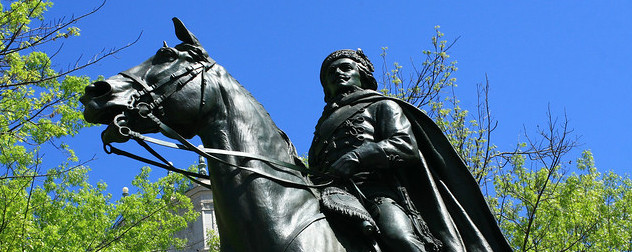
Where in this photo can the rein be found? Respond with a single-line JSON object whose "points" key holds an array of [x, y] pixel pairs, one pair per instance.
{"points": [[208, 153], [181, 78]]}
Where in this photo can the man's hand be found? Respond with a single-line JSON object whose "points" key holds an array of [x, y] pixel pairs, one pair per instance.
{"points": [[346, 165]]}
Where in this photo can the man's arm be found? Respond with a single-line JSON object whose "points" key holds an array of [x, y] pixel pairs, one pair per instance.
{"points": [[394, 142]]}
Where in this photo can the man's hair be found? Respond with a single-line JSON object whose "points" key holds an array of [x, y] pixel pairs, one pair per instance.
{"points": [[364, 65]]}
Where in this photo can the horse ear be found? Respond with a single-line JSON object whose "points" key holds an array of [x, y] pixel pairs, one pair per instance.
{"points": [[183, 33]]}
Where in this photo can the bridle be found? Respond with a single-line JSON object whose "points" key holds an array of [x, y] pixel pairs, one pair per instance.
{"points": [[176, 80], [168, 87]]}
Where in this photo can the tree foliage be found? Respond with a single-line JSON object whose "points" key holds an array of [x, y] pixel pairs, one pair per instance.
{"points": [[46, 207], [546, 210], [212, 240], [431, 87], [66, 213], [542, 203], [545, 204]]}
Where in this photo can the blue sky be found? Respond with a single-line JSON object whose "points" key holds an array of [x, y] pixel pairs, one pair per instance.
{"points": [[571, 56]]}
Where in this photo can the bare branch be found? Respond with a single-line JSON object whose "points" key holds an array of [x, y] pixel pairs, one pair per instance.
{"points": [[54, 173], [94, 60], [556, 146], [49, 32]]}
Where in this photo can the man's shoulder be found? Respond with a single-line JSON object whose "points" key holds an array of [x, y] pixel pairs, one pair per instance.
{"points": [[373, 97], [378, 100], [386, 101], [384, 105]]}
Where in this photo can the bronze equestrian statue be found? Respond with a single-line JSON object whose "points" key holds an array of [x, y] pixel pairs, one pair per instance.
{"points": [[264, 199]]}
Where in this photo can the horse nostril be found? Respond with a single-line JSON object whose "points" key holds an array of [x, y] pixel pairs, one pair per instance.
{"points": [[98, 89]]}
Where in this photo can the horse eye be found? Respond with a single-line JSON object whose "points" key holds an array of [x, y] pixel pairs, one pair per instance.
{"points": [[172, 55], [167, 55]]}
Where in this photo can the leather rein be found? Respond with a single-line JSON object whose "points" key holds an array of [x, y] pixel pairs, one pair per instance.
{"points": [[172, 84]]}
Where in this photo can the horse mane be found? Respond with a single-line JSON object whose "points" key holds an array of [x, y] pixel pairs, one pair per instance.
{"points": [[239, 102]]}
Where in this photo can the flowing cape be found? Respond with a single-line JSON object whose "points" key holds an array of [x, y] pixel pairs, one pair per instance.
{"points": [[443, 189]]}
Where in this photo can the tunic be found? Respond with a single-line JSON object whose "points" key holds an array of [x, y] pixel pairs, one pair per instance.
{"points": [[394, 138]]}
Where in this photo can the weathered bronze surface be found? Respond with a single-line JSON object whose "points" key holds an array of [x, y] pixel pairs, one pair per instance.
{"points": [[393, 158], [271, 207]]}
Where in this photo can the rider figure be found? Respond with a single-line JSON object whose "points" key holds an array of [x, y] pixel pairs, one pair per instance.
{"points": [[363, 141]]}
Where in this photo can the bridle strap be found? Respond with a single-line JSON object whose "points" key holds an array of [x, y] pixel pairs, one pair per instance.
{"points": [[186, 145], [207, 153], [191, 175], [181, 78], [109, 149]]}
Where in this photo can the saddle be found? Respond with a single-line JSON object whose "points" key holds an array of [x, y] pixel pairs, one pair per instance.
{"points": [[343, 205]]}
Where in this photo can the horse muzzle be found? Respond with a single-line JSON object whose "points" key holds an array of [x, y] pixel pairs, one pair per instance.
{"points": [[106, 102], [103, 100]]}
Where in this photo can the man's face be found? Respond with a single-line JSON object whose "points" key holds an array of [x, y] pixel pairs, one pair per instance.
{"points": [[342, 75]]}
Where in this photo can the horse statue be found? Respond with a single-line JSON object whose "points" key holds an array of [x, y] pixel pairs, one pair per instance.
{"points": [[263, 201]]}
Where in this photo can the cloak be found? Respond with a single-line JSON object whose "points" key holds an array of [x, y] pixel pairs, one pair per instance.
{"points": [[442, 188]]}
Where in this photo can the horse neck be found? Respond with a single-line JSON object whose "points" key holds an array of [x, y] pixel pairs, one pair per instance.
{"points": [[240, 123], [246, 201]]}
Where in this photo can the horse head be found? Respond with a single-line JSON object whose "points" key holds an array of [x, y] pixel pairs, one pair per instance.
{"points": [[168, 86]]}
